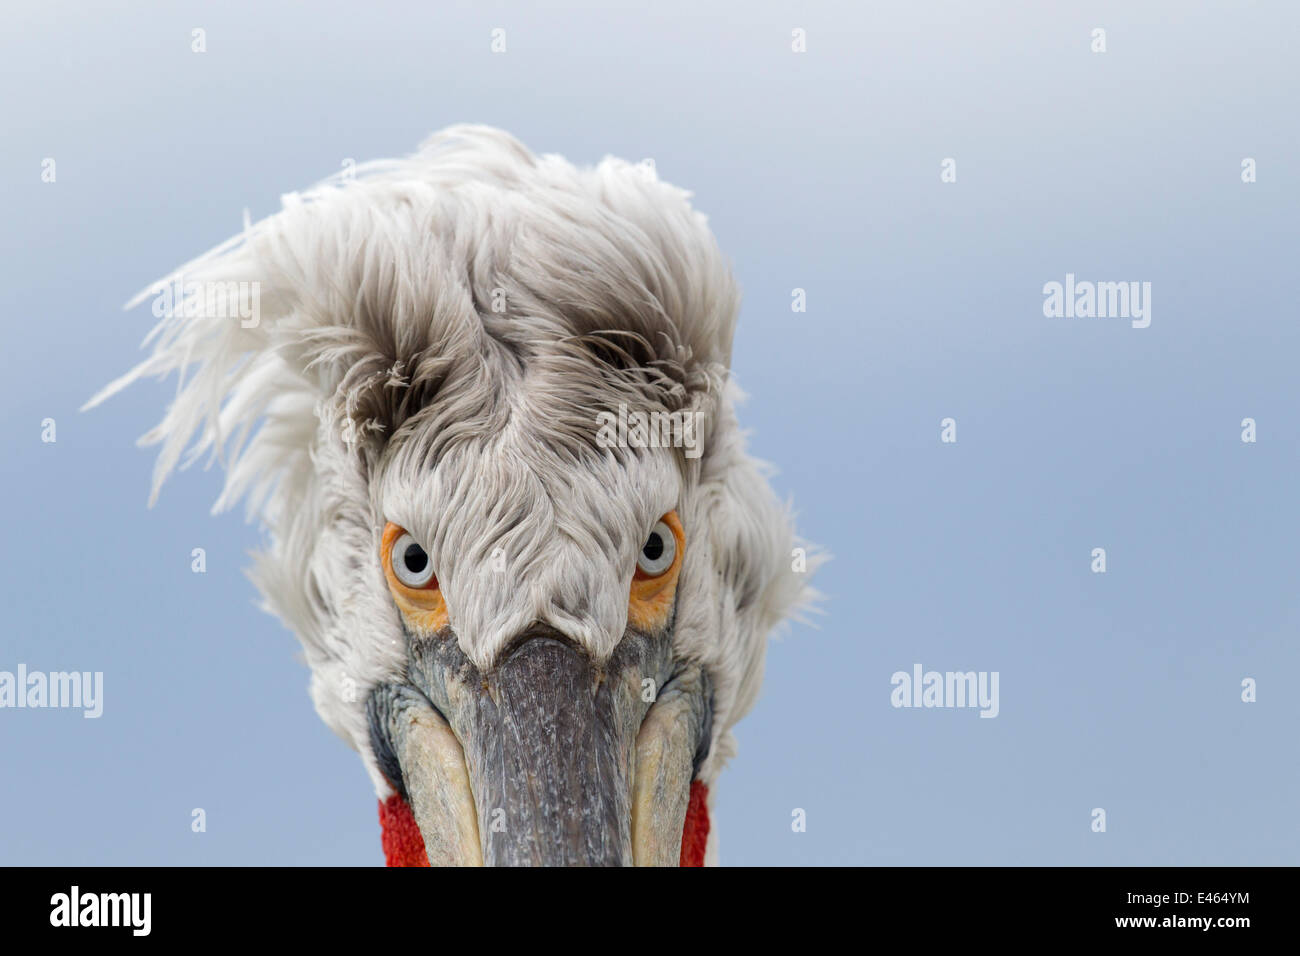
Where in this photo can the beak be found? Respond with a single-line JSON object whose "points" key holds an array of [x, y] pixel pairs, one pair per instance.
{"points": [[550, 758]]}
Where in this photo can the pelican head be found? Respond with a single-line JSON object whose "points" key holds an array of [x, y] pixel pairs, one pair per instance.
{"points": [[480, 401]]}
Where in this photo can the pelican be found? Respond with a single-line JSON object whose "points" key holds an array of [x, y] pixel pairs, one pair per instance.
{"points": [[480, 402]]}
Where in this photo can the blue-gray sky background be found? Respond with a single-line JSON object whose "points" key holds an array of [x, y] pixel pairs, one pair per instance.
{"points": [[818, 171]]}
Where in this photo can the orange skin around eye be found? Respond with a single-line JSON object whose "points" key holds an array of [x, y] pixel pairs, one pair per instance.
{"points": [[424, 609], [650, 600], [650, 603]]}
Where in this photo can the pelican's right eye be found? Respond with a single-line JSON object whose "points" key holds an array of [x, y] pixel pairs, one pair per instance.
{"points": [[409, 571], [411, 565]]}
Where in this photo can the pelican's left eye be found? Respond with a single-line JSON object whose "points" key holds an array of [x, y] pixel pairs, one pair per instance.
{"points": [[658, 552], [411, 565]]}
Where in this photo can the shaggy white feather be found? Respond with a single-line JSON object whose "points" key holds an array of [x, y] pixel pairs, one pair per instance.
{"points": [[436, 337]]}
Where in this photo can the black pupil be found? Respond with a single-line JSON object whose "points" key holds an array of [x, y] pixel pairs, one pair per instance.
{"points": [[415, 559], [654, 548]]}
